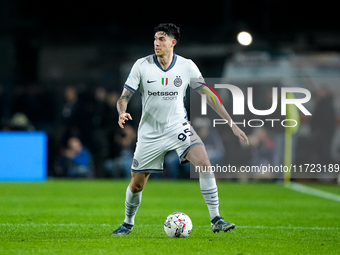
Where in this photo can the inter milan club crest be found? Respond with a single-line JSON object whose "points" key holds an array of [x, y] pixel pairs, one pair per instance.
{"points": [[178, 81], [165, 81], [135, 163]]}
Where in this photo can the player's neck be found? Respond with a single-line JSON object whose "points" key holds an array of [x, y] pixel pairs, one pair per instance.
{"points": [[165, 60]]}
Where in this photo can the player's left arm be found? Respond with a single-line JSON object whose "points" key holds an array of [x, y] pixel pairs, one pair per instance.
{"points": [[223, 113]]}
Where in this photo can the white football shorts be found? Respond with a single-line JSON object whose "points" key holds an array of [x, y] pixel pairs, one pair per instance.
{"points": [[149, 154]]}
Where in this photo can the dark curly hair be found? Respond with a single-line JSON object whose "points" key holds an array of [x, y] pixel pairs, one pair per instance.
{"points": [[169, 29]]}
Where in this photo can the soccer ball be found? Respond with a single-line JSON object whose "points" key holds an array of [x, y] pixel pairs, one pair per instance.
{"points": [[178, 224]]}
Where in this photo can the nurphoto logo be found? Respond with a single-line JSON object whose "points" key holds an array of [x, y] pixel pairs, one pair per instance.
{"points": [[287, 98]]}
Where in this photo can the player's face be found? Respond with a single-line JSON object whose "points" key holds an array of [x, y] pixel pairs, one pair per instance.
{"points": [[163, 44]]}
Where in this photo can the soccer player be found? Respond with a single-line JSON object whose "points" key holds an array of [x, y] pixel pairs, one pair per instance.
{"points": [[162, 79]]}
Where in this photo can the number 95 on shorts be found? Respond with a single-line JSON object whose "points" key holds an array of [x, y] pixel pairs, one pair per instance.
{"points": [[149, 153]]}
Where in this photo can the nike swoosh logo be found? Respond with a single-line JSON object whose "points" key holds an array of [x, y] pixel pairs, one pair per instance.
{"points": [[148, 81], [193, 140]]}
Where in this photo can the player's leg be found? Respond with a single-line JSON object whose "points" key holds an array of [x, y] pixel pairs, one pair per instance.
{"points": [[132, 201], [197, 155], [148, 158], [138, 181], [134, 195]]}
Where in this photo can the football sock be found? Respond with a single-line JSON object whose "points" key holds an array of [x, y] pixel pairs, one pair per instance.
{"points": [[132, 203], [209, 191]]}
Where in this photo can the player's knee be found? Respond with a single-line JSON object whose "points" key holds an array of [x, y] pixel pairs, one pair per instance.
{"points": [[136, 187], [204, 163], [138, 181]]}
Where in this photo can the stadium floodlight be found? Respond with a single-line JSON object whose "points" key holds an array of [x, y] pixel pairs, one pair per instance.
{"points": [[244, 38]]}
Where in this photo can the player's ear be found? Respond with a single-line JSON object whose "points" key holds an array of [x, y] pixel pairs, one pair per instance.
{"points": [[174, 42]]}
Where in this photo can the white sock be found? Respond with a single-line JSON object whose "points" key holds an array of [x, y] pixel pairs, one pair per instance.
{"points": [[132, 202], [210, 193]]}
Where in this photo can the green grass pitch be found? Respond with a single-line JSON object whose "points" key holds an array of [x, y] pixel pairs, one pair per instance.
{"points": [[77, 217]]}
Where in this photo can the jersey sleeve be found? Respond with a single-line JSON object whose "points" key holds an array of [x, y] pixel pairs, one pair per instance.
{"points": [[133, 80], [196, 79]]}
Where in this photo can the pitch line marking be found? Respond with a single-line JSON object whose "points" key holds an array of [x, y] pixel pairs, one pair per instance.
{"points": [[155, 225], [312, 191]]}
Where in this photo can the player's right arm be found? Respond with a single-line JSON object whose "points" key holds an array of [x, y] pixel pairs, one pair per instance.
{"points": [[122, 106]]}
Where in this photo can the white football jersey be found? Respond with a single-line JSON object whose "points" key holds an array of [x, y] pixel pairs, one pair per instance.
{"points": [[162, 92]]}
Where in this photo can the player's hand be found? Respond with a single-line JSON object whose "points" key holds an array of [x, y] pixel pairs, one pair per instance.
{"points": [[122, 118], [240, 134]]}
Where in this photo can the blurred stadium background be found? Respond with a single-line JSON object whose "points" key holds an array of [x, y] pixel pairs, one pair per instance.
{"points": [[63, 65]]}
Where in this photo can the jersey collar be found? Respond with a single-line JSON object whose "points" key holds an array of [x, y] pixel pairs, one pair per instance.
{"points": [[159, 65]]}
